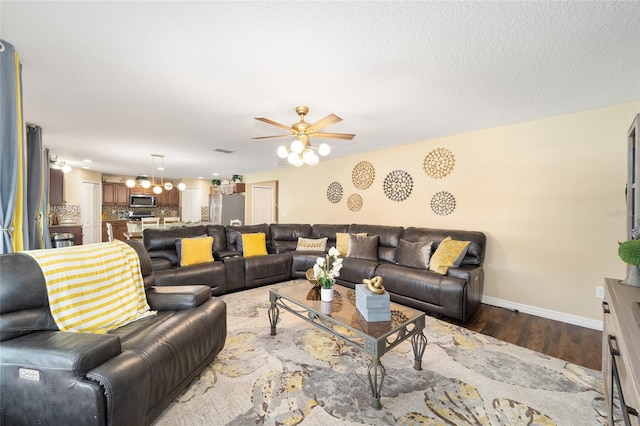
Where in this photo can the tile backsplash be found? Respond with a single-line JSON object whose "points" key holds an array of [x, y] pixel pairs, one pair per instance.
{"points": [[67, 212]]}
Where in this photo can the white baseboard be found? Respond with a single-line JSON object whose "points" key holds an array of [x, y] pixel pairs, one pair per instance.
{"points": [[544, 313]]}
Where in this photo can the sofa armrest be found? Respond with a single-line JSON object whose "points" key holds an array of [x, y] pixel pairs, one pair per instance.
{"points": [[177, 298], [56, 350], [469, 273]]}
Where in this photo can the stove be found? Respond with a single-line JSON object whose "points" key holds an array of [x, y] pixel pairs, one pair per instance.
{"points": [[139, 214]]}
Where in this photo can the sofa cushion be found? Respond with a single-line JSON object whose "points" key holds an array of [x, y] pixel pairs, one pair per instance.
{"points": [[234, 239], [475, 253], [389, 238], [363, 247], [414, 254], [254, 245], [311, 244], [196, 250], [284, 236], [219, 235], [165, 239], [448, 254], [329, 231], [342, 242]]}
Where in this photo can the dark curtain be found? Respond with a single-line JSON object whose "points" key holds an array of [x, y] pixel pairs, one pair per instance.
{"points": [[36, 189], [44, 208]]}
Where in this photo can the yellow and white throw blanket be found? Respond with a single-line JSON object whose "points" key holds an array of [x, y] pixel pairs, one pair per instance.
{"points": [[93, 288]]}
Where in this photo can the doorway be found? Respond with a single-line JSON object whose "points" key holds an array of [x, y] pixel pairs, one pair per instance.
{"points": [[191, 205], [91, 212], [263, 205]]}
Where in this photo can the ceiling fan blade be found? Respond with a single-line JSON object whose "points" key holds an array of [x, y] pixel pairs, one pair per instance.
{"points": [[347, 136], [273, 123], [274, 136], [327, 121]]}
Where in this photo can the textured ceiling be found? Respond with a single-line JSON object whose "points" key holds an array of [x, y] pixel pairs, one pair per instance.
{"points": [[118, 81]]}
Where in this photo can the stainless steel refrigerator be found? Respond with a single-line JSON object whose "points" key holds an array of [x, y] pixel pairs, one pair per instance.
{"points": [[226, 209]]}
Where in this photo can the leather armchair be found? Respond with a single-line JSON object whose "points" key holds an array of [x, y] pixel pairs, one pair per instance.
{"points": [[125, 377]]}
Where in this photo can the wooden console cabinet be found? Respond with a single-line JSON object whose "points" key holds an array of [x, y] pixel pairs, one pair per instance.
{"points": [[621, 353], [76, 230]]}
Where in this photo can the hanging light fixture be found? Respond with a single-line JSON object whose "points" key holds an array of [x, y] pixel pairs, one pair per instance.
{"points": [[58, 164], [144, 181], [301, 152]]}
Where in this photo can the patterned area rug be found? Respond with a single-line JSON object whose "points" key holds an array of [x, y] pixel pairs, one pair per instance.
{"points": [[304, 376]]}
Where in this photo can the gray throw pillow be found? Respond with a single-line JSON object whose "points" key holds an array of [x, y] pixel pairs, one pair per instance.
{"points": [[414, 254], [363, 247]]}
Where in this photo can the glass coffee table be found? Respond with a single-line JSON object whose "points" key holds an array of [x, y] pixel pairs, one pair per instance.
{"points": [[341, 319]]}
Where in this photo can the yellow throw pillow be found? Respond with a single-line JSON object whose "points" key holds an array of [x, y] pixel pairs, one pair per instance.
{"points": [[196, 250], [449, 253], [342, 242], [254, 245]]}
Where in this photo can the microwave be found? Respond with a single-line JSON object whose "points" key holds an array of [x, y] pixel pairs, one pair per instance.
{"points": [[142, 200]]}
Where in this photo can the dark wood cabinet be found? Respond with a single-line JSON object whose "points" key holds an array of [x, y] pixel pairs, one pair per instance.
{"points": [[115, 194], [119, 228], [56, 187], [168, 198], [76, 230]]}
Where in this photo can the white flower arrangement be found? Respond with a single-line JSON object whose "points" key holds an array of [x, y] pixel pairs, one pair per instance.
{"points": [[328, 268]]}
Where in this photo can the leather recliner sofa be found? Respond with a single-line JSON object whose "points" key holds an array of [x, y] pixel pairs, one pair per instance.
{"points": [[125, 377], [457, 294]]}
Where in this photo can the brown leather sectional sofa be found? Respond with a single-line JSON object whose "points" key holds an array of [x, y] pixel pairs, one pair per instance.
{"points": [[456, 294], [125, 377]]}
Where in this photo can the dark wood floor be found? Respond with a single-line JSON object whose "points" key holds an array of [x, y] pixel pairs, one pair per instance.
{"points": [[579, 345]]}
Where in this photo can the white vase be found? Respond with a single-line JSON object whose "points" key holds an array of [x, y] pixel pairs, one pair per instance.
{"points": [[326, 294], [326, 307]]}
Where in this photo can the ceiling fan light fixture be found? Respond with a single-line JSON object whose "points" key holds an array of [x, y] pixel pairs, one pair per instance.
{"points": [[297, 146], [307, 155], [312, 159], [283, 151], [292, 158], [324, 149]]}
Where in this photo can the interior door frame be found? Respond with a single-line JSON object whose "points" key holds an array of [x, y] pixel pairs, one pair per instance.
{"points": [[249, 202]]}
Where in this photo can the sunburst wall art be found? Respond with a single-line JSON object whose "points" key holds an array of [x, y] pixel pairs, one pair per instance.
{"points": [[334, 192], [363, 175], [398, 185], [439, 163], [354, 202], [443, 203]]}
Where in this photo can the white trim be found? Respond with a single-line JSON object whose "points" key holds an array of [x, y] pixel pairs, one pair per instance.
{"points": [[544, 313]]}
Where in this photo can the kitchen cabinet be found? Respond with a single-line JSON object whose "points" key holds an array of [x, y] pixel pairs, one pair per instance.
{"points": [[56, 187], [119, 228], [168, 198], [115, 194], [76, 230], [142, 191]]}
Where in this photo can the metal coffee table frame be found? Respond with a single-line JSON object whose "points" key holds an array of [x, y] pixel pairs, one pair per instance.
{"points": [[297, 299]]}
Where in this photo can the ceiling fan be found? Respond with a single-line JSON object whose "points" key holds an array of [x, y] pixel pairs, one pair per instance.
{"points": [[301, 149]]}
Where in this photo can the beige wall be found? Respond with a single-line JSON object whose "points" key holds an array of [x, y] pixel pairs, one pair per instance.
{"points": [[73, 183], [549, 194]]}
